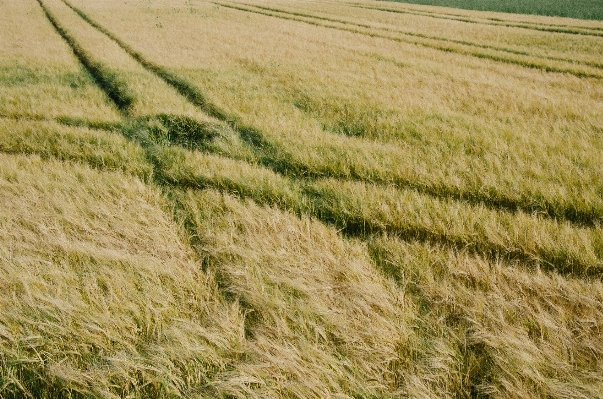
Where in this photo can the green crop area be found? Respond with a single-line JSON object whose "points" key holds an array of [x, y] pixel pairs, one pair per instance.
{"points": [[581, 9], [299, 199]]}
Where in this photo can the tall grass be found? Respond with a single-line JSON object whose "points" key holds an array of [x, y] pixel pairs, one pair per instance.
{"points": [[319, 319], [484, 329], [304, 211], [101, 296]]}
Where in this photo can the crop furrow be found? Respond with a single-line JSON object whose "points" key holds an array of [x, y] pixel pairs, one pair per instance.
{"points": [[67, 121], [362, 211], [497, 58], [106, 79], [182, 86], [278, 159], [436, 38]]}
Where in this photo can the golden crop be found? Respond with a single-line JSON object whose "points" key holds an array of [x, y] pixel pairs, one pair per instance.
{"points": [[298, 199]]}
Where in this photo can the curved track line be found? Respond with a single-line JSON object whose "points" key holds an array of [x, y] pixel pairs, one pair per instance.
{"points": [[438, 38], [272, 157]]}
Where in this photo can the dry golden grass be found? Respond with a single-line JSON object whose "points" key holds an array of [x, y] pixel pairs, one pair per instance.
{"points": [[113, 303], [298, 199], [490, 330], [320, 321], [100, 295]]}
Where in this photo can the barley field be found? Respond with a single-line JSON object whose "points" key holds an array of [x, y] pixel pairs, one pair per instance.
{"points": [[299, 199]]}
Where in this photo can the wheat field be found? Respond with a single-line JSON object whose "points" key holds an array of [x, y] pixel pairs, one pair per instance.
{"points": [[299, 199]]}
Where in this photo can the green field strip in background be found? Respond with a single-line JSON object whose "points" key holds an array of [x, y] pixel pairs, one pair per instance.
{"points": [[585, 9], [483, 16]]}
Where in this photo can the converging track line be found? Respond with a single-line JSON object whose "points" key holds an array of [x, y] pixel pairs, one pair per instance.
{"points": [[268, 151]]}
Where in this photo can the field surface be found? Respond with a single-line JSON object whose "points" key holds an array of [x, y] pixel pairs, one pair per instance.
{"points": [[299, 199]]}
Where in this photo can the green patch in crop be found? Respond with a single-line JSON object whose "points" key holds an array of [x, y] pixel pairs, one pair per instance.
{"points": [[23, 75], [184, 131]]}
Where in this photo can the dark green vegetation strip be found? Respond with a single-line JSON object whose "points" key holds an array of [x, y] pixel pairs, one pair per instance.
{"points": [[314, 20], [110, 82], [67, 121], [582, 9], [553, 28], [165, 143], [103, 149], [270, 155]]}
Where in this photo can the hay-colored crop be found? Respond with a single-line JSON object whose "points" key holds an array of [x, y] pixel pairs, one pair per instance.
{"points": [[313, 199]]}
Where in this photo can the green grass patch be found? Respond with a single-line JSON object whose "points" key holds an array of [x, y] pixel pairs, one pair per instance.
{"points": [[582, 9], [50, 140]]}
